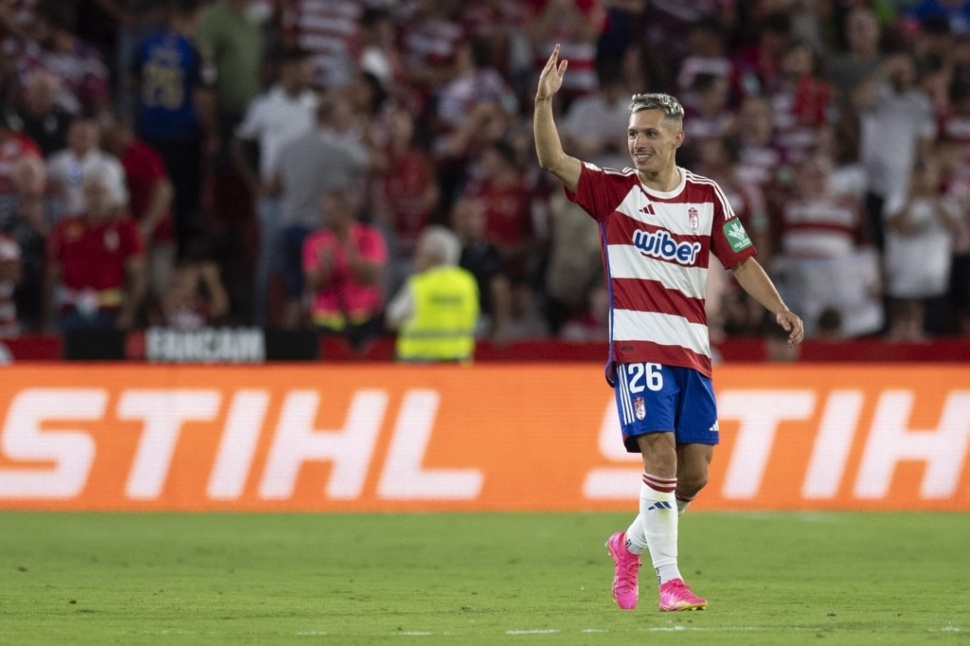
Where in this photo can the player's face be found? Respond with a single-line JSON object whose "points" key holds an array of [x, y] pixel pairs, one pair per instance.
{"points": [[653, 141]]}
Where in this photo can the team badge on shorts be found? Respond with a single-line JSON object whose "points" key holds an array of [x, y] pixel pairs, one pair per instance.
{"points": [[639, 407]]}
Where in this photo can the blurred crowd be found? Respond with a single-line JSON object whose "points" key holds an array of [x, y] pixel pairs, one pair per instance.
{"points": [[186, 163]]}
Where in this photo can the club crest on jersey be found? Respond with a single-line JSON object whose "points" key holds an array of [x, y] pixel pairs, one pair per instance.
{"points": [[660, 244], [693, 219], [639, 407]]}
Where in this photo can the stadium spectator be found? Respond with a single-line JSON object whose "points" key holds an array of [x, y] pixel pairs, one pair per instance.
{"points": [[707, 55], [824, 257], [379, 54], [499, 187], [760, 160], [710, 115], [891, 102], [284, 113], [137, 20], [196, 297], [474, 108], [407, 194], [861, 59], [17, 19], [667, 21], [306, 170], [483, 260], [435, 312], [475, 80], [956, 13], [592, 324], [656, 310], [175, 109], [593, 125], [55, 48], [329, 30], [11, 273], [574, 266], [67, 168], [757, 65], [343, 263], [499, 23], [802, 103], [150, 203], [14, 149], [841, 142], [429, 34], [38, 115], [955, 186], [576, 25], [920, 223], [96, 264], [232, 39], [30, 228]]}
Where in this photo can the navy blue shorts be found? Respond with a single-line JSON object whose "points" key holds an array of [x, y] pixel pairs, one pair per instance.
{"points": [[654, 398]]}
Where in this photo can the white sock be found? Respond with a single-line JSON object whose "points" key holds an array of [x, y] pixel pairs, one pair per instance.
{"points": [[659, 517], [636, 540]]}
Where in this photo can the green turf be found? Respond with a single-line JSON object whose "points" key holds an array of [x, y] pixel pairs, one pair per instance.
{"points": [[474, 579]]}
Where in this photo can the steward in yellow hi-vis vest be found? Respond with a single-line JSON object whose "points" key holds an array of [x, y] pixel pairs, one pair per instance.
{"points": [[436, 311]]}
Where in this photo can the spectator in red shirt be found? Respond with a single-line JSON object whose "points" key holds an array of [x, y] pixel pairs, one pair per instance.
{"points": [[802, 102], [150, 199], [500, 191], [407, 194], [96, 265]]}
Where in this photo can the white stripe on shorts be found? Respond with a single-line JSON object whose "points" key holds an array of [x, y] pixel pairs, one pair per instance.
{"points": [[627, 407]]}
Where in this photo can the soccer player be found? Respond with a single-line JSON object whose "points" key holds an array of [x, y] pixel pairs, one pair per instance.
{"points": [[659, 225]]}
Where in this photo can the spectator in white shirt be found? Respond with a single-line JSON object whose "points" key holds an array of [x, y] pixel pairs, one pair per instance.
{"points": [[67, 168], [282, 114]]}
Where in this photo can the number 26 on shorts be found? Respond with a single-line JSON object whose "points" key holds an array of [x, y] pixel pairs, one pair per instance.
{"points": [[641, 376]]}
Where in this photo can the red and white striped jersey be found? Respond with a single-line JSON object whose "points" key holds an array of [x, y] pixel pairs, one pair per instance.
{"points": [[329, 30], [822, 227], [656, 248]]}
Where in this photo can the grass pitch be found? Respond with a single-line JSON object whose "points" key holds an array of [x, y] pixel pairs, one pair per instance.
{"points": [[781, 578]]}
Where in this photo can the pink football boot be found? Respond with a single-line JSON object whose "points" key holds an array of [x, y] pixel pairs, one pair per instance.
{"points": [[675, 595], [626, 590]]}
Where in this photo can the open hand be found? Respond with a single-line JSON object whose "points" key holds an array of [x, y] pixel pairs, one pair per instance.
{"points": [[550, 79]]}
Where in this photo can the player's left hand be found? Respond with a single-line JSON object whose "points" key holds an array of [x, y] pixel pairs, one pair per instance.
{"points": [[792, 324]]}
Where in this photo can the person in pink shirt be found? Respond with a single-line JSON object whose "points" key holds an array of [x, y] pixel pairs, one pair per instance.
{"points": [[343, 263]]}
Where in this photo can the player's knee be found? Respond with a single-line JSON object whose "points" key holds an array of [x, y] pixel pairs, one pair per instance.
{"points": [[691, 482]]}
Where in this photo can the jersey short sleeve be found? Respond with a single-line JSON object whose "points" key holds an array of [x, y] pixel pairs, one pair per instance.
{"points": [[730, 242], [599, 191]]}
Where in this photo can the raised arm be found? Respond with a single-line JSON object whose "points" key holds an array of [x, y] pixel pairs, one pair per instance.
{"points": [[548, 146]]}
